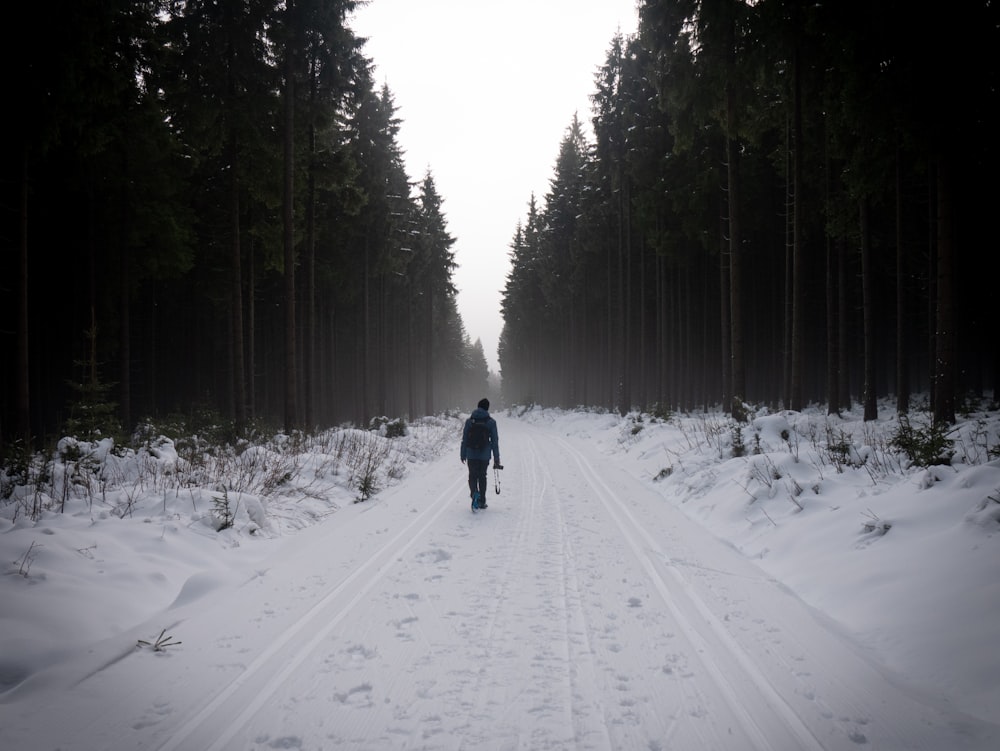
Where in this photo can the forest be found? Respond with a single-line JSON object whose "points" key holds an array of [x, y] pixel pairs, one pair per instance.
{"points": [[779, 204], [207, 215]]}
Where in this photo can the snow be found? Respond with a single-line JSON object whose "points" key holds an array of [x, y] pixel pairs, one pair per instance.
{"points": [[634, 586]]}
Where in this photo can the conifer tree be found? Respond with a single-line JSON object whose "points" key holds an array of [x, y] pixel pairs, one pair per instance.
{"points": [[435, 265]]}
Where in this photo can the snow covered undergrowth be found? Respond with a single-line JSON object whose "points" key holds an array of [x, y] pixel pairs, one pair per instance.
{"points": [[116, 539], [906, 559]]}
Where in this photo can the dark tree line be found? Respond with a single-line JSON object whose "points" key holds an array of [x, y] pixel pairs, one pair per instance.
{"points": [[782, 203], [206, 208]]}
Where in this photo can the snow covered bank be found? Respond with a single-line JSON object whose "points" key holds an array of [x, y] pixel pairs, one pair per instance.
{"points": [[118, 538], [905, 558]]}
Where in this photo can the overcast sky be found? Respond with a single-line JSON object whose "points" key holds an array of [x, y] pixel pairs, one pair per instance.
{"points": [[485, 92]]}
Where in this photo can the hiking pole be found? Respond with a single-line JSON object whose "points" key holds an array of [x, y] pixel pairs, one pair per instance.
{"points": [[496, 477]]}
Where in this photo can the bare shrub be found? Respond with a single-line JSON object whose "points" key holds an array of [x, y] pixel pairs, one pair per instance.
{"points": [[24, 563], [367, 453]]}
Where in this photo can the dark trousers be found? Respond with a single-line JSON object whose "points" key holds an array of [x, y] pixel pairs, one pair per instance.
{"points": [[477, 476]]}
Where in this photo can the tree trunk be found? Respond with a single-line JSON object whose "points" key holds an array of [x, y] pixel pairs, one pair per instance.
{"points": [[250, 369], [411, 369], [932, 282], [309, 333], [798, 263], [288, 216], [725, 343], [832, 312], [382, 353], [611, 369], [843, 324], [124, 341], [628, 346], [621, 323], [366, 336], [944, 373], [902, 321], [832, 348], [868, 301], [23, 409], [661, 330], [238, 380], [786, 328], [429, 323], [735, 268]]}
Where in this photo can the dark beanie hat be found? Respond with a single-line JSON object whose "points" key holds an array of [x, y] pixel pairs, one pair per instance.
{"points": [[484, 403]]}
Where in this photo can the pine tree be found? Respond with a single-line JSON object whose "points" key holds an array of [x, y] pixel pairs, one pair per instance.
{"points": [[436, 263]]}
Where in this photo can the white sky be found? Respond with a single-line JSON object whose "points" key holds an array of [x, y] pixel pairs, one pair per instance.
{"points": [[485, 92]]}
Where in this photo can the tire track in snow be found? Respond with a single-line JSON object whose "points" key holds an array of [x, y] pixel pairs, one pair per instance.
{"points": [[363, 578], [584, 677], [559, 564], [541, 692], [641, 543], [531, 489], [519, 560]]}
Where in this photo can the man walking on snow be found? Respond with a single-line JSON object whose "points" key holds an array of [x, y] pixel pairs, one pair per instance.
{"points": [[479, 441]]}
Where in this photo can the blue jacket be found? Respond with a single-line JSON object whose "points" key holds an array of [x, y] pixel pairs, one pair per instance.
{"points": [[494, 445]]}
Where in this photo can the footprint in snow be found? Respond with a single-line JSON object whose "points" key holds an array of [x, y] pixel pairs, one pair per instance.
{"points": [[359, 696], [153, 716], [434, 556], [287, 741], [361, 652]]}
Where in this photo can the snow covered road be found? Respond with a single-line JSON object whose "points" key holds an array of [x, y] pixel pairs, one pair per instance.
{"points": [[579, 611]]}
